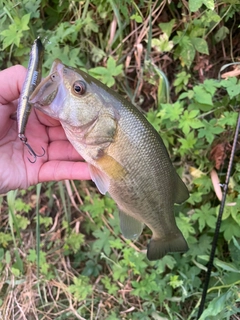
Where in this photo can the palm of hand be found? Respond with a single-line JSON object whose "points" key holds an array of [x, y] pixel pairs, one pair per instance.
{"points": [[60, 160]]}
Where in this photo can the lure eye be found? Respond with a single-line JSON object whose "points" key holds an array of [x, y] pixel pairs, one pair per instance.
{"points": [[79, 87]]}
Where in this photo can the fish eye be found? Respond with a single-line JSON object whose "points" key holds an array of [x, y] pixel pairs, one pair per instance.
{"points": [[79, 87]]}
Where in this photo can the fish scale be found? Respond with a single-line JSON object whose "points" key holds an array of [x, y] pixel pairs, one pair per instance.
{"points": [[126, 156]]}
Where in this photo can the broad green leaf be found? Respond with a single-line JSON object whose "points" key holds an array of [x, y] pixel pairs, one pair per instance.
{"points": [[73, 241], [81, 287], [233, 91], [187, 54], [226, 266], [194, 5], [23, 23], [205, 216], [210, 130], [167, 27], [102, 242], [171, 111], [106, 75], [209, 4], [188, 120], [202, 96], [162, 44], [136, 17], [184, 224], [221, 34], [217, 305], [89, 24], [200, 45], [230, 229], [187, 144]]}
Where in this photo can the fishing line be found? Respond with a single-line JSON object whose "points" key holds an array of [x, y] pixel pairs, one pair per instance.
{"points": [[219, 220]]}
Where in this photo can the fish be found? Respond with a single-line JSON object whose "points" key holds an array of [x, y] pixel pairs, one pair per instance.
{"points": [[126, 156], [33, 78]]}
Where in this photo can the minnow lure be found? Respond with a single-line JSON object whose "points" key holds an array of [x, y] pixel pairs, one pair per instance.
{"points": [[33, 78]]}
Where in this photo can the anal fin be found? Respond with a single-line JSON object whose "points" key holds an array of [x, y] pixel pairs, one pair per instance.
{"points": [[130, 227], [181, 191]]}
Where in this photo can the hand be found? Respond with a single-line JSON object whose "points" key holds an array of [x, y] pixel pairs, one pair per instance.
{"points": [[60, 160]]}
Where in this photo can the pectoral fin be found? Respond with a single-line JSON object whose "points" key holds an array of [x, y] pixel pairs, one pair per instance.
{"points": [[101, 180], [107, 169], [130, 227]]}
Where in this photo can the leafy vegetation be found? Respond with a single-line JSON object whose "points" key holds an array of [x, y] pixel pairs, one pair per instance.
{"points": [[62, 255]]}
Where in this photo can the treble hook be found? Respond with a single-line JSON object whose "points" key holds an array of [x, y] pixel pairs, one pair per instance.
{"points": [[30, 149]]}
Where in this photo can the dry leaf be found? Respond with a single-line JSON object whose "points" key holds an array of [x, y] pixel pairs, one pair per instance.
{"points": [[216, 184]]}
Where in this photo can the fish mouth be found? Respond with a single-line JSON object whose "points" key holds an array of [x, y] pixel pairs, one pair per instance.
{"points": [[47, 90]]}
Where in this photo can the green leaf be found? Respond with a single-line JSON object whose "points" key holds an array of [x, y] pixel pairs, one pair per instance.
{"points": [[184, 224], [217, 305], [109, 285], [167, 27], [228, 119], [14, 33], [200, 45], [188, 120], [171, 111], [73, 241], [106, 75], [23, 23], [20, 205], [89, 24], [187, 52], [202, 246], [194, 5], [233, 91], [205, 216], [137, 18], [81, 287], [226, 266], [232, 86], [230, 229], [5, 238], [102, 243], [166, 262], [221, 34], [175, 282], [187, 144], [162, 44], [202, 96], [22, 222], [210, 130], [209, 4]]}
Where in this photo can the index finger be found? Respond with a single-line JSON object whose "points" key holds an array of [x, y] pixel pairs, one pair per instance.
{"points": [[11, 80]]}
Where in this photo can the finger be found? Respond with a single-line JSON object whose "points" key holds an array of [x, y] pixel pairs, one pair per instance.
{"points": [[56, 133], [63, 150], [11, 80], [61, 170], [5, 122], [46, 120]]}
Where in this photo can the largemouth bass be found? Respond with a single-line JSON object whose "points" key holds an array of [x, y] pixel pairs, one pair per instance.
{"points": [[126, 156]]}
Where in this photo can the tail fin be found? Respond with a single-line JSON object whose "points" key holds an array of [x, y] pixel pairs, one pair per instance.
{"points": [[158, 248]]}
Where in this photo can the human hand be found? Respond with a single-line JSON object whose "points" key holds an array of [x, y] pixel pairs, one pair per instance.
{"points": [[60, 161]]}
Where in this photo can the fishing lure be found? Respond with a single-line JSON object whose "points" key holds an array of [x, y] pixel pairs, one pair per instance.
{"points": [[33, 78]]}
